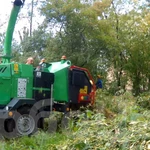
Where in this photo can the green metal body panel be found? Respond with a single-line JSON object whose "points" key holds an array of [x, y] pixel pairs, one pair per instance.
{"points": [[5, 84], [60, 70], [16, 81], [23, 79]]}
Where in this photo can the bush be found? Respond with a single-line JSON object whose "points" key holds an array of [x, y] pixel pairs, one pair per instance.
{"points": [[117, 123]]}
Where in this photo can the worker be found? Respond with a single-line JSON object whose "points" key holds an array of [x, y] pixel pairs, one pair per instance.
{"points": [[41, 65], [29, 61], [63, 59], [42, 61], [99, 83]]}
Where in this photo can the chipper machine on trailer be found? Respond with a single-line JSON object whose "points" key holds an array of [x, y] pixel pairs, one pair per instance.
{"points": [[28, 94]]}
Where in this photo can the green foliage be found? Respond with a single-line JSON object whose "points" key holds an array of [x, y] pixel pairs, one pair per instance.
{"points": [[81, 36], [126, 128], [39, 141], [95, 36], [37, 42], [144, 100], [32, 46]]}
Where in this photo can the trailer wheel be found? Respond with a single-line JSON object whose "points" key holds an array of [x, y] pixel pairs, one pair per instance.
{"points": [[22, 123], [25, 124], [9, 125], [40, 123]]}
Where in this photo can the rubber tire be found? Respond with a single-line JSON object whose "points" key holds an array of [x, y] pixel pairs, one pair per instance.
{"points": [[10, 124]]}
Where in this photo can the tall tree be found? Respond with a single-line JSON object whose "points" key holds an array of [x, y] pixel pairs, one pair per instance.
{"points": [[101, 35], [78, 30]]}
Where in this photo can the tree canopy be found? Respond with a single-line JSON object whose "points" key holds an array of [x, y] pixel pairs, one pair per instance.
{"points": [[99, 35]]}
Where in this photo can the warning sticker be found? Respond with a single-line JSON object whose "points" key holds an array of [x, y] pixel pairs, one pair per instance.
{"points": [[22, 85]]}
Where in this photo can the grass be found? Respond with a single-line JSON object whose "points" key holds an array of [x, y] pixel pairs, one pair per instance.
{"points": [[117, 123], [39, 141]]}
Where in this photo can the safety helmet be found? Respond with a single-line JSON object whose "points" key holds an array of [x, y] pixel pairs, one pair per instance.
{"points": [[98, 76], [63, 57], [30, 58], [43, 60]]}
